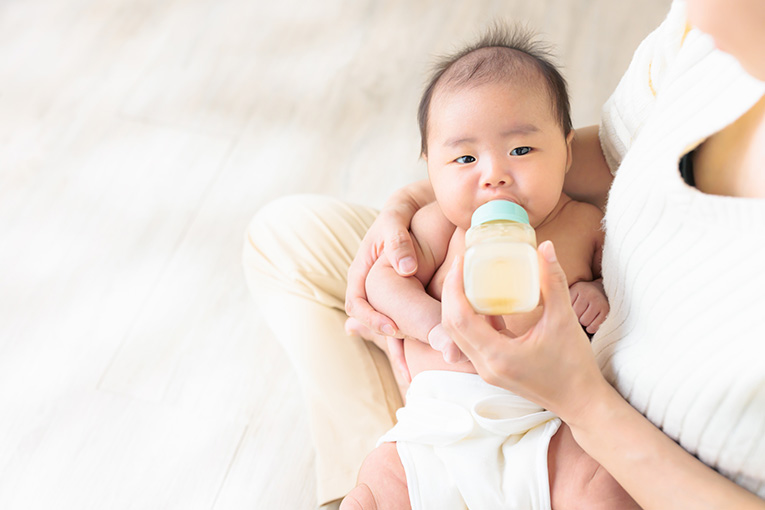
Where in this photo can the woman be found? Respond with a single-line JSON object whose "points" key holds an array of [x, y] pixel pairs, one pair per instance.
{"points": [[680, 354]]}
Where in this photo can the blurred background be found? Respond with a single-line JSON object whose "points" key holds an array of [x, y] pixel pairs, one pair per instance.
{"points": [[137, 138]]}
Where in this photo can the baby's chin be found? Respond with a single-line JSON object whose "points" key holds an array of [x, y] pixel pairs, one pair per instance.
{"points": [[464, 222], [459, 218]]}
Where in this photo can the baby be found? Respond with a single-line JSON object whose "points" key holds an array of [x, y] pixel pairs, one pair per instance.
{"points": [[495, 124]]}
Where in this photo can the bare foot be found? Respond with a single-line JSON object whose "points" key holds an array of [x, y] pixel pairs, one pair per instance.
{"points": [[382, 483], [360, 498]]}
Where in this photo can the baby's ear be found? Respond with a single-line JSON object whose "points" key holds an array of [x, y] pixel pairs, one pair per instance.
{"points": [[569, 154]]}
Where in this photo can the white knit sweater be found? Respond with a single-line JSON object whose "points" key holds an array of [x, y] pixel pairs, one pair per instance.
{"points": [[685, 338]]}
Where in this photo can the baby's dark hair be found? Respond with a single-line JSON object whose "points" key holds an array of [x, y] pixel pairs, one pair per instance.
{"points": [[498, 54]]}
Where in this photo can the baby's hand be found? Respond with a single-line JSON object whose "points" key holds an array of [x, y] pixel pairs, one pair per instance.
{"points": [[440, 340], [588, 299]]}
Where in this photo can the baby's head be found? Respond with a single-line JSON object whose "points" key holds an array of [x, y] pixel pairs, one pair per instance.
{"points": [[495, 124]]}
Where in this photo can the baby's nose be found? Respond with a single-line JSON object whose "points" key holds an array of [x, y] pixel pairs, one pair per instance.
{"points": [[496, 176], [494, 183]]}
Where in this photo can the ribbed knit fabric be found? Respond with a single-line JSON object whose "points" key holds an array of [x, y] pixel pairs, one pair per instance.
{"points": [[684, 272]]}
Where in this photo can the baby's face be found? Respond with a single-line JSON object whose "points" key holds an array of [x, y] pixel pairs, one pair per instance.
{"points": [[495, 141]]}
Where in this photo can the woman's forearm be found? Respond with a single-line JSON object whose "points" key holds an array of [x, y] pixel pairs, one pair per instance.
{"points": [[651, 467], [412, 197], [589, 178]]}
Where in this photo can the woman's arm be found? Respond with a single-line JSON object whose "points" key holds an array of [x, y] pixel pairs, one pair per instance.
{"points": [[650, 466], [589, 178], [553, 366]]}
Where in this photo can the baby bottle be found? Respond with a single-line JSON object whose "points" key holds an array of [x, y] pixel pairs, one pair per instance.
{"points": [[501, 270]]}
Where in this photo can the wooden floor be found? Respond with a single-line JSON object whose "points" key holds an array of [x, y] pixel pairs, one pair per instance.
{"points": [[137, 137]]}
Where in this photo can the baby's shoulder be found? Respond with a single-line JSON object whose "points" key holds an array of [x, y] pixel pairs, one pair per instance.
{"points": [[577, 223], [582, 213], [581, 219]]}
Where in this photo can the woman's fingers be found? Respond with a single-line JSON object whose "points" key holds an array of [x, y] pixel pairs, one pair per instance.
{"points": [[454, 311], [356, 304], [496, 322], [393, 347], [397, 358], [362, 311], [552, 282], [439, 339], [390, 235], [468, 330], [400, 252], [356, 327]]}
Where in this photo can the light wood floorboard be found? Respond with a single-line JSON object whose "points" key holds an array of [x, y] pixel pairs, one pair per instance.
{"points": [[137, 138]]}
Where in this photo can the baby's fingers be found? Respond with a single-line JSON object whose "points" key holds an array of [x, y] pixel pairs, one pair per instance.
{"points": [[555, 291], [587, 317], [594, 326]]}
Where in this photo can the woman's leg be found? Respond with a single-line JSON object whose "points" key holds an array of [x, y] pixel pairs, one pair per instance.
{"points": [[296, 256]]}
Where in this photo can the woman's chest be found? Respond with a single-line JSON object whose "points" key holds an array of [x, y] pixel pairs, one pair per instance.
{"points": [[732, 161]]}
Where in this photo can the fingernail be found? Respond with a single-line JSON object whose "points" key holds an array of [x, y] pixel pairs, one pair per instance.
{"points": [[549, 252], [406, 265], [388, 330]]}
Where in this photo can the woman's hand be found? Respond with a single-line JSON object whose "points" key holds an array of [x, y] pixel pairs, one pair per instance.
{"points": [[440, 340], [389, 235], [551, 364]]}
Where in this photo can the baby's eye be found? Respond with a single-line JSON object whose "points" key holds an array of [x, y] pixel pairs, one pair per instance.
{"points": [[520, 151], [465, 159]]}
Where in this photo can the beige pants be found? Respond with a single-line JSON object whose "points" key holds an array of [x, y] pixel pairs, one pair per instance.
{"points": [[296, 256]]}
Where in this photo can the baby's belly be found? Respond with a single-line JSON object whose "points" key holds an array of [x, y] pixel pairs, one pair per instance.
{"points": [[421, 356]]}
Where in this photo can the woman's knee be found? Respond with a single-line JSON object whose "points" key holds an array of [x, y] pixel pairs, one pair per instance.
{"points": [[279, 228], [304, 240], [285, 218]]}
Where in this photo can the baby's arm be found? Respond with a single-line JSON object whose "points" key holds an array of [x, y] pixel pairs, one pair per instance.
{"points": [[405, 300], [588, 298]]}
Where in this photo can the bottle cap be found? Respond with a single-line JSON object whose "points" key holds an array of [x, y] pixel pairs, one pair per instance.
{"points": [[499, 210]]}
